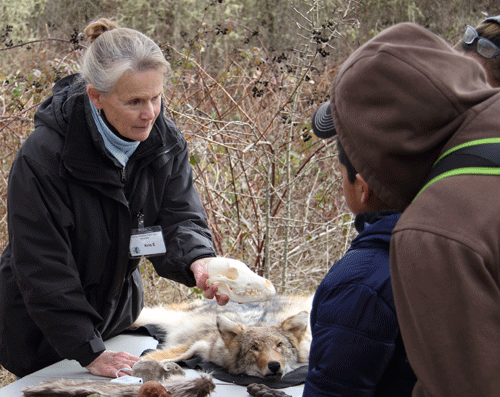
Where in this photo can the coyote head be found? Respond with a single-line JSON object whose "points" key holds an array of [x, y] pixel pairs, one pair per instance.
{"points": [[265, 352]]}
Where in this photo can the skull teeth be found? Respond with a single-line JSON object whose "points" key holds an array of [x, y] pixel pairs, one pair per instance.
{"points": [[246, 292], [251, 292]]}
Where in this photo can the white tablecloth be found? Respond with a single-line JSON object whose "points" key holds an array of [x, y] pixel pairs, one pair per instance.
{"points": [[134, 344]]}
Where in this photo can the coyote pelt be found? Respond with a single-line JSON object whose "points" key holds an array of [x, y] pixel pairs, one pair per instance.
{"points": [[265, 339], [177, 385]]}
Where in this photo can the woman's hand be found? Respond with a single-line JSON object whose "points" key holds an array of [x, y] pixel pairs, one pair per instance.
{"points": [[109, 364], [199, 270]]}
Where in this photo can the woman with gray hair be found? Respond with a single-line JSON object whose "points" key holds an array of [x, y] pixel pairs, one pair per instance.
{"points": [[102, 181]]}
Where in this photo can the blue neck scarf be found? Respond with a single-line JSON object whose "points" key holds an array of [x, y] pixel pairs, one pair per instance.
{"points": [[119, 148]]}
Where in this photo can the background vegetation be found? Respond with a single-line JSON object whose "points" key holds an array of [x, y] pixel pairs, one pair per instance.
{"points": [[246, 77]]}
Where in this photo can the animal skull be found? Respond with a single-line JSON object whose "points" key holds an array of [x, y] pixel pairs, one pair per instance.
{"points": [[236, 280]]}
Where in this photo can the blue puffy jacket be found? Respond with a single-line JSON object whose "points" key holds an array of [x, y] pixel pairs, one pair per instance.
{"points": [[357, 348]]}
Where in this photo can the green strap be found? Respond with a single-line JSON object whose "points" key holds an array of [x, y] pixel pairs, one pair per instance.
{"points": [[467, 144], [463, 170]]}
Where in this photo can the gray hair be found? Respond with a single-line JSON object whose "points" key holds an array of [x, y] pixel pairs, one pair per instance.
{"points": [[114, 51]]}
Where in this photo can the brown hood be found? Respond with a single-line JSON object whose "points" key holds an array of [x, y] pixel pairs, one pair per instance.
{"points": [[400, 100]]}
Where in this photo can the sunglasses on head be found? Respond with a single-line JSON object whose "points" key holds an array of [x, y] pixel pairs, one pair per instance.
{"points": [[485, 47]]}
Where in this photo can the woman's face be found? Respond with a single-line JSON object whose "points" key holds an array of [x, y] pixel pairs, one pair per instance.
{"points": [[134, 105]]}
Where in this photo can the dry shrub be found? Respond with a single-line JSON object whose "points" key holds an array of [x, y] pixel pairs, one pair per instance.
{"points": [[271, 189], [5, 377]]}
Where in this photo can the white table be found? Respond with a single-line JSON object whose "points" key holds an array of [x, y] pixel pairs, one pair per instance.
{"points": [[134, 344]]}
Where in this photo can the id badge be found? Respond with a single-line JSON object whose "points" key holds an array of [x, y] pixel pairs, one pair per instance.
{"points": [[147, 241]]}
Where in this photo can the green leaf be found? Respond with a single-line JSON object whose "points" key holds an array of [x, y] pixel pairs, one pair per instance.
{"points": [[194, 159]]}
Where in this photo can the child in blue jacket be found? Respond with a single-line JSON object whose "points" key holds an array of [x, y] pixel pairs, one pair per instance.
{"points": [[357, 348]]}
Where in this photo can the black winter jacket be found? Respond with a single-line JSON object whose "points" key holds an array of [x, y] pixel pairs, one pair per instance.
{"points": [[66, 280]]}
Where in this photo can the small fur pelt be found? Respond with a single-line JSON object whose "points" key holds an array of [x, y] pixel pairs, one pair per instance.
{"points": [[159, 371], [177, 386]]}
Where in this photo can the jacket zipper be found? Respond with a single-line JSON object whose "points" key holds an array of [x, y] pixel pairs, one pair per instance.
{"points": [[124, 175]]}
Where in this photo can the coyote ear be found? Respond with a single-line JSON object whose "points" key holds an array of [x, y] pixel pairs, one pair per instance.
{"points": [[228, 329], [296, 324]]}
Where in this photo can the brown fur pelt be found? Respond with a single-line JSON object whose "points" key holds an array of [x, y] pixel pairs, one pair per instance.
{"points": [[178, 386]]}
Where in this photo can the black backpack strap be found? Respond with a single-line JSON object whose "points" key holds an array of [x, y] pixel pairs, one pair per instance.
{"points": [[480, 157]]}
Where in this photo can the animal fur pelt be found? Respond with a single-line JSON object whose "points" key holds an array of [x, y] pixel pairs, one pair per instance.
{"points": [[178, 386], [261, 339]]}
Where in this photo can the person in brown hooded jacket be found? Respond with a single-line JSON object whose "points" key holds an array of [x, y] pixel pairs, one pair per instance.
{"points": [[398, 103]]}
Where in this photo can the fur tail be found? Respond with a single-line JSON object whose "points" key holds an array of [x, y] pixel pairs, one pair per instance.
{"points": [[178, 386], [198, 387]]}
